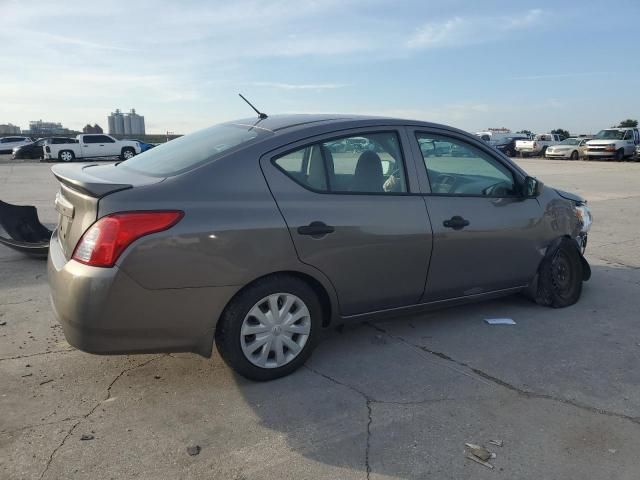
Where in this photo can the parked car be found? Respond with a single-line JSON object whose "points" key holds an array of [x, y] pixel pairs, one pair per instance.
{"points": [[92, 145], [144, 146], [494, 137], [616, 143], [507, 145], [573, 148], [7, 144], [259, 238], [637, 153], [36, 149], [539, 144]]}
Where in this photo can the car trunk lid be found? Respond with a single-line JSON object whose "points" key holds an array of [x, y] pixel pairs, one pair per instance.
{"points": [[81, 188]]}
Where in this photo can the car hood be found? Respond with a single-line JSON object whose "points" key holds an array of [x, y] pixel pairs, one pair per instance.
{"points": [[570, 196]]}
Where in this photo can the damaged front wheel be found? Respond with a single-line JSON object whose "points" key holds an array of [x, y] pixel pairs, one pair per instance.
{"points": [[560, 277]]}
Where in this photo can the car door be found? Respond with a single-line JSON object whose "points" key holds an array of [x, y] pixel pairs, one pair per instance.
{"points": [[111, 147], [91, 146], [629, 142], [486, 236], [354, 213]]}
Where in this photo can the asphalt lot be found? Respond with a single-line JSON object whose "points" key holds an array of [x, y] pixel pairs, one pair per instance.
{"points": [[396, 399]]}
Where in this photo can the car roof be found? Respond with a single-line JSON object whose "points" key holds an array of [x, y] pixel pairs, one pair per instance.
{"points": [[288, 123]]}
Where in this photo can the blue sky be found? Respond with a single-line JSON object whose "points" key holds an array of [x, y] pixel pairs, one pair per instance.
{"points": [[468, 63]]}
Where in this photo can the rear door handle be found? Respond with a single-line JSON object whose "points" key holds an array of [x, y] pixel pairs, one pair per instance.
{"points": [[316, 229], [456, 222]]}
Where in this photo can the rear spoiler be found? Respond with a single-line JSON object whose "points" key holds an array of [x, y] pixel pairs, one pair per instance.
{"points": [[77, 178]]}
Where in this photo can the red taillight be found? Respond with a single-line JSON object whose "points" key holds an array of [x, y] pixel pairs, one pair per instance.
{"points": [[535, 144], [102, 244]]}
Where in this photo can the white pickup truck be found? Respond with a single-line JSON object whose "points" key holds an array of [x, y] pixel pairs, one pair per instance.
{"points": [[615, 143], [91, 146], [539, 144]]}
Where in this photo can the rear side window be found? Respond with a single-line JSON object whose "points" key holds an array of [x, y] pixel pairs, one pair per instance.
{"points": [[188, 152], [370, 163]]}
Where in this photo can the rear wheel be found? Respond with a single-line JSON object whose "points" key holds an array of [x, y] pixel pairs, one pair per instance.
{"points": [[574, 155], [560, 277], [66, 156], [270, 328]]}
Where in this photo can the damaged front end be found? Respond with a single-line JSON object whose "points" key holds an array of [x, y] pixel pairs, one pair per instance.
{"points": [[583, 215], [21, 230]]}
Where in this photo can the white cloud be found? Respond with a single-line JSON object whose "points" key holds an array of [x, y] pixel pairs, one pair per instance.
{"points": [[459, 31]]}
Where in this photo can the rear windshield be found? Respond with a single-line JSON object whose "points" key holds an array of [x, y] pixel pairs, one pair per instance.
{"points": [[190, 151]]}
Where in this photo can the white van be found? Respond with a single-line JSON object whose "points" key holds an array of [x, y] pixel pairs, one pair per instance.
{"points": [[615, 143]]}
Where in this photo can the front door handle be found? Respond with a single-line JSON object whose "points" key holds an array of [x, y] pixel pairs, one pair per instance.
{"points": [[456, 222], [316, 229]]}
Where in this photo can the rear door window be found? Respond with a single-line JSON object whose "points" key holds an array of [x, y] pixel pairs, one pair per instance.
{"points": [[367, 163]]}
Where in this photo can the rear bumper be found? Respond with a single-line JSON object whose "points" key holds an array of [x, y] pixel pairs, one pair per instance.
{"points": [[104, 311]]}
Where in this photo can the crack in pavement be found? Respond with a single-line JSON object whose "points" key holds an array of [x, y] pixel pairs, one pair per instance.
{"points": [[513, 388], [369, 402], [36, 425], [16, 303], [93, 409], [18, 357]]}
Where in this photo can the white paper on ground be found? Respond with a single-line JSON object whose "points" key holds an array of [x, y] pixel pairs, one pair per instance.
{"points": [[499, 321]]}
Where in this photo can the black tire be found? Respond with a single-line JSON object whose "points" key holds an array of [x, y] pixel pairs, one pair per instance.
{"points": [[66, 156], [560, 277], [619, 155], [575, 155], [127, 152], [228, 331]]}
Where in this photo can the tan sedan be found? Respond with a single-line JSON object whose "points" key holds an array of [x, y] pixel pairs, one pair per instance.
{"points": [[571, 148]]}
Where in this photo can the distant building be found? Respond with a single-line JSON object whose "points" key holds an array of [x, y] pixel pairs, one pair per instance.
{"points": [[89, 129], [126, 123], [43, 129], [9, 129]]}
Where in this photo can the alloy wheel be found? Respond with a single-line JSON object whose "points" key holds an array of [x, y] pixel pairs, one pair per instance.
{"points": [[127, 154], [275, 330]]}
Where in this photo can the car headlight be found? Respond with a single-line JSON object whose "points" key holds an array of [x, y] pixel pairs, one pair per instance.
{"points": [[584, 216]]}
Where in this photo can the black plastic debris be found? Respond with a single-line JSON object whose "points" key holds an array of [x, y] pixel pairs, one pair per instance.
{"points": [[21, 230]]}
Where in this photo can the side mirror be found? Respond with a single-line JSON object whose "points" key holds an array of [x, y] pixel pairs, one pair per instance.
{"points": [[532, 187]]}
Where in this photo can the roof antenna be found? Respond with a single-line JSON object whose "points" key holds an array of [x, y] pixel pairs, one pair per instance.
{"points": [[261, 115]]}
